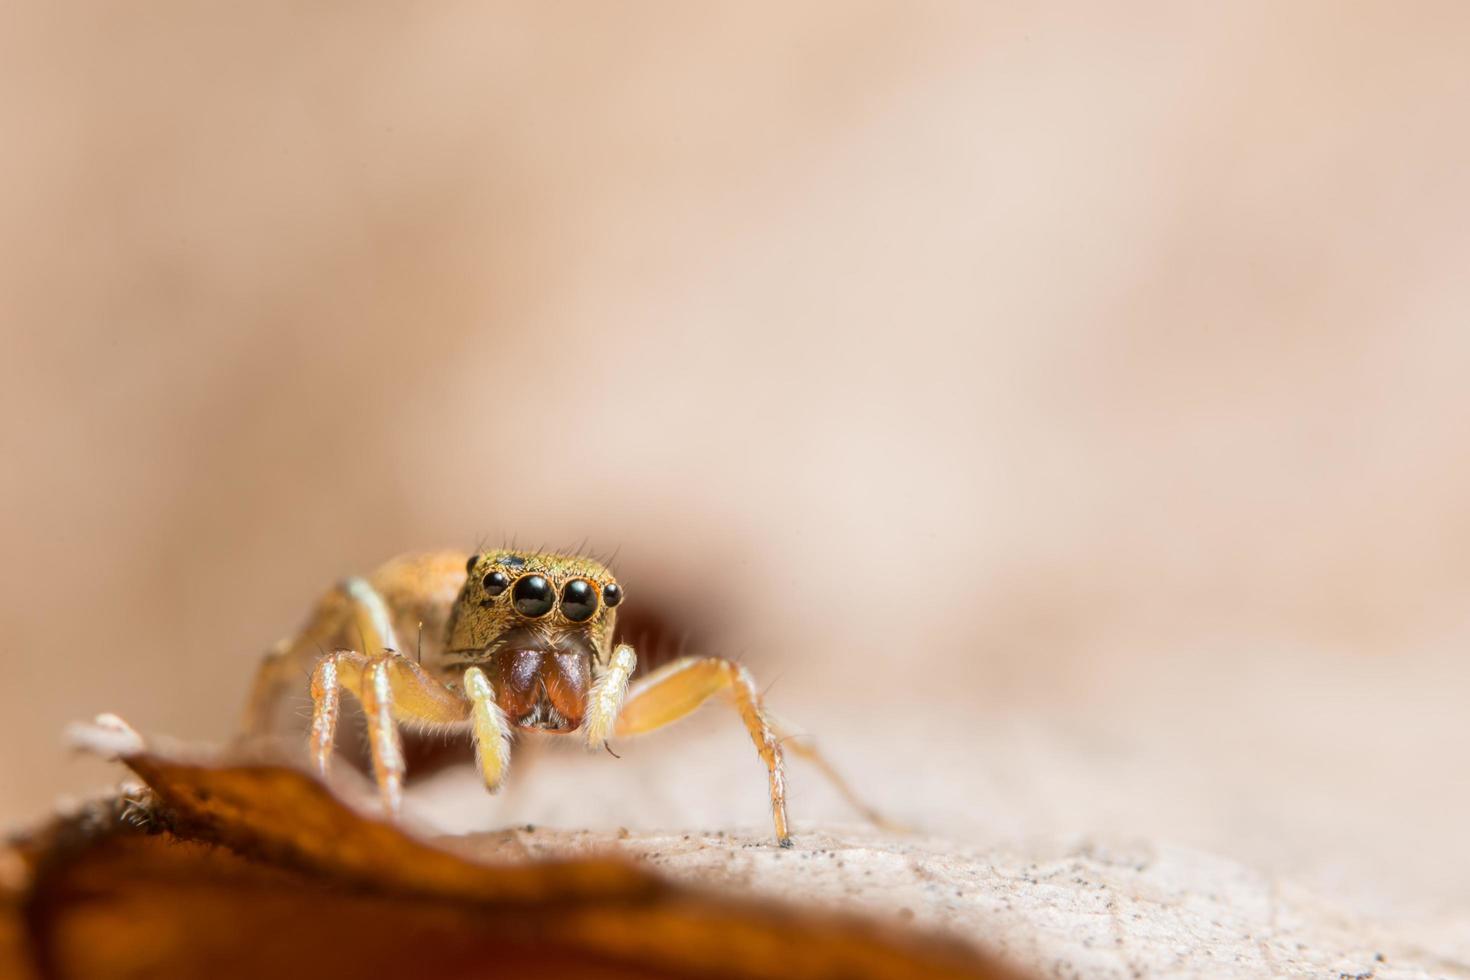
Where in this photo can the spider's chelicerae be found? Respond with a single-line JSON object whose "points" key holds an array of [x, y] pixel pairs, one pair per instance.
{"points": [[507, 640]]}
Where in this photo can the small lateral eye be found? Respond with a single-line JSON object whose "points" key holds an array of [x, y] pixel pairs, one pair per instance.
{"points": [[495, 583], [533, 596], [578, 600], [469, 566], [612, 594]]}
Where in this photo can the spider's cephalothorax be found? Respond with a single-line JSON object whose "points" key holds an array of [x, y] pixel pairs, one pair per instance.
{"points": [[499, 642], [541, 628]]}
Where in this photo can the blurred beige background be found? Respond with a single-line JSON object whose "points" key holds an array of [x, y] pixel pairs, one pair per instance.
{"points": [[1066, 411]]}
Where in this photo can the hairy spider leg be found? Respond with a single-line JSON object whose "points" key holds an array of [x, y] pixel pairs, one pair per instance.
{"points": [[353, 609], [391, 689], [679, 687], [800, 745]]}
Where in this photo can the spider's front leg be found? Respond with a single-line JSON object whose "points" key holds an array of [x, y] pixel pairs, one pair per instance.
{"points": [[677, 688], [391, 689]]}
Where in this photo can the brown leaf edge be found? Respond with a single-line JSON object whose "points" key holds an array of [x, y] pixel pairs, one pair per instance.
{"points": [[232, 869]]}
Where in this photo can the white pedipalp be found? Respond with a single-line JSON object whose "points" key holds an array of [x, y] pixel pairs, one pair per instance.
{"points": [[491, 731], [605, 700]]}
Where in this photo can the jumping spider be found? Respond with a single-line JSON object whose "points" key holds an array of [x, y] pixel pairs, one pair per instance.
{"points": [[508, 640]]}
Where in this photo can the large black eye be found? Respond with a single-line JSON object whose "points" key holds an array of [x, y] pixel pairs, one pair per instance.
{"points": [[578, 600], [533, 596], [612, 594], [469, 566], [495, 583]]}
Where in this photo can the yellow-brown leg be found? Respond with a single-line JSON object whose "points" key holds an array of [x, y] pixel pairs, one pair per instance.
{"points": [[351, 614], [677, 688], [376, 695], [390, 688], [326, 703], [793, 743]]}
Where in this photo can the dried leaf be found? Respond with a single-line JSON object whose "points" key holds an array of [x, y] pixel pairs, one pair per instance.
{"points": [[226, 869]]}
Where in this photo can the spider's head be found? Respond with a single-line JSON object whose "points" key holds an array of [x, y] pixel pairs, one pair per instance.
{"points": [[541, 625]]}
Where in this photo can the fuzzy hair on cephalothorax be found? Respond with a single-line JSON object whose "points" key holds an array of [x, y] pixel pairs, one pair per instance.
{"points": [[486, 619]]}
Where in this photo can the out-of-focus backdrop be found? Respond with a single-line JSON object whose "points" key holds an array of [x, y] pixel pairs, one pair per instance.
{"points": [[1065, 413]]}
